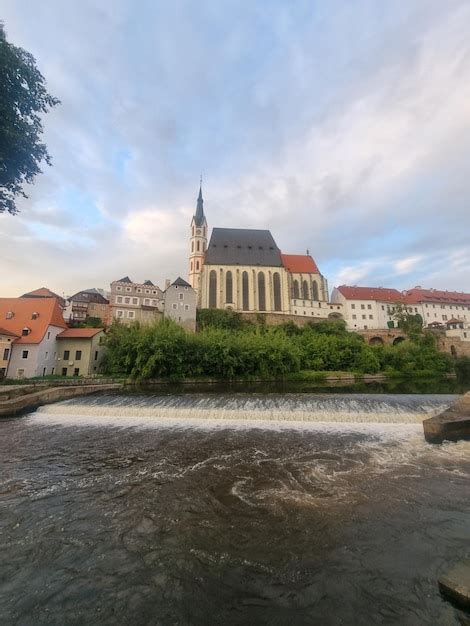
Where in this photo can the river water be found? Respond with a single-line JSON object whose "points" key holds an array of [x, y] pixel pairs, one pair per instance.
{"points": [[230, 509]]}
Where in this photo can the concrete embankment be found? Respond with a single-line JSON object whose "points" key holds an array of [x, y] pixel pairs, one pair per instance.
{"points": [[452, 424], [19, 399]]}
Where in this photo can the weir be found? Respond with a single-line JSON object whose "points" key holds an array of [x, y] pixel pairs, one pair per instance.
{"points": [[333, 408]]}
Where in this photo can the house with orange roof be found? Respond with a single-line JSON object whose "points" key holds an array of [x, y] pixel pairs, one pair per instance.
{"points": [[439, 306], [35, 324], [367, 307], [44, 292], [80, 351], [6, 340]]}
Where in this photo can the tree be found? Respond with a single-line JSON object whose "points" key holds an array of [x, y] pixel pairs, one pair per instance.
{"points": [[411, 324], [23, 97]]}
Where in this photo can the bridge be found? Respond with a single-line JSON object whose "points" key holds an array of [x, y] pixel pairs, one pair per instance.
{"points": [[390, 336]]}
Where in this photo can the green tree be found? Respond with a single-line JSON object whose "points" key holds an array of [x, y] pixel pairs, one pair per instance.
{"points": [[411, 324], [23, 97]]}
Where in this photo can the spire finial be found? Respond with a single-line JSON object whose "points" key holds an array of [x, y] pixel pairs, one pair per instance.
{"points": [[199, 215]]}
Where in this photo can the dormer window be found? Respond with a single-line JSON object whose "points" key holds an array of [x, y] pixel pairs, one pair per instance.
{"points": [[25, 332], [9, 315], [35, 315]]}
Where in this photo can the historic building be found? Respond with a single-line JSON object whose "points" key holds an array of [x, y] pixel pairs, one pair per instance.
{"points": [[244, 270], [135, 302], [180, 301], [80, 351], [85, 304]]}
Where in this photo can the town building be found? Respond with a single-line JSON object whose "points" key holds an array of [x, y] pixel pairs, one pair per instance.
{"points": [[135, 302], [438, 306], [36, 322], [456, 327], [181, 303], [6, 339], [244, 270], [44, 292], [89, 303], [80, 351], [367, 307]]}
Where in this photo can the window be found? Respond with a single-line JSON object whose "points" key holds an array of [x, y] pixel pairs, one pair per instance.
{"points": [[154, 293], [354, 316], [78, 355], [52, 371], [127, 300], [118, 288], [315, 291], [120, 314], [64, 371], [6, 354], [353, 306], [119, 299], [229, 288], [76, 371], [24, 354], [49, 335], [277, 292], [181, 296], [35, 315], [147, 301], [154, 303], [198, 246], [135, 301], [197, 265], [444, 317], [46, 355], [364, 317], [130, 315], [186, 307], [296, 290], [128, 289], [213, 289], [383, 308], [66, 355], [147, 291], [192, 246], [43, 371], [96, 355], [191, 266], [363, 306], [305, 294], [261, 292], [245, 292], [371, 317], [25, 332], [369, 306], [9, 315], [139, 290], [174, 306]]}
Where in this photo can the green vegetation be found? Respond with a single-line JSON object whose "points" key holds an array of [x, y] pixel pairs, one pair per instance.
{"points": [[411, 324], [227, 347], [23, 97], [462, 368]]}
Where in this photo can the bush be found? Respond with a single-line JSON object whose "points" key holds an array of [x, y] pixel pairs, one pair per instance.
{"points": [[462, 368]]}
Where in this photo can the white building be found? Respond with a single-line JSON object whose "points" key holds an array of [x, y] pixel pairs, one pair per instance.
{"points": [[366, 308], [181, 303], [438, 306]]}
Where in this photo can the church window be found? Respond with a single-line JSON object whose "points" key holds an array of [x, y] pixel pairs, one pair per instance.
{"points": [[197, 265], [192, 246], [228, 287], [191, 266], [314, 290], [261, 292], [198, 245], [245, 292], [213, 290], [296, 290], [277, 292], [305, 294], [204, 246]]}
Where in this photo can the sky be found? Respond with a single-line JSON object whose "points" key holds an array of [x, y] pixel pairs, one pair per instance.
{"points": [[341, 126]]}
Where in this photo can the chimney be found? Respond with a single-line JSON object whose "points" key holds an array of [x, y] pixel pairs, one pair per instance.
{"points": [[167, 283]]}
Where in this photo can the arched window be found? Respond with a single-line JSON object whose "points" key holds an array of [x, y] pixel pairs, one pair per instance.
{"points": [[296, 292], [245, 292], [228, 287], [198, 245], [305, 294], [213, 290], [315, 291], [193, 231], [197, 265], [192, 246], [191, 266], [261, 292], [203, 246], [277, 292]]}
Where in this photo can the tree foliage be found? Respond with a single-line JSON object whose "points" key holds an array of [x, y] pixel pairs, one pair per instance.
{"points": [[23, 97], [411, 324], [164, 349]]}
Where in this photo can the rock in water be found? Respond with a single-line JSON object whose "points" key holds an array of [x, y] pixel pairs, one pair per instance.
{"points": [[456, 583]]}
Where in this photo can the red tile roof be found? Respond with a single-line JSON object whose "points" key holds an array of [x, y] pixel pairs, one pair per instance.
{"points": [[454, 320], [23, 308], [434, 295], [8, 333], [44, 292], [370, 293], [299, 263], [79, 333]]}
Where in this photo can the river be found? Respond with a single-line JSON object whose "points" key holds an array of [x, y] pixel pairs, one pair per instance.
{"points": [[230, 509]]}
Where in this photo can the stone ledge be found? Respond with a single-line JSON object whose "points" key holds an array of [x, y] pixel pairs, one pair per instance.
{"points": [[455, 584], [453, 424]]}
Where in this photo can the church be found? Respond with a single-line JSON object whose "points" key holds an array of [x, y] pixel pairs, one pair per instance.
{"points": [[245, 271]]}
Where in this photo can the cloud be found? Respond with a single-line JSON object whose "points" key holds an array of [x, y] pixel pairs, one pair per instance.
{"points": [[343, 128]]}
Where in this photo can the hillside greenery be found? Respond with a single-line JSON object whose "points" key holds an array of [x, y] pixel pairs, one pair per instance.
{"points": [[227, 347]]}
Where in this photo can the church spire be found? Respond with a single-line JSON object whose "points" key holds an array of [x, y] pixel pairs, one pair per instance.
{"points": [[199, 215]]}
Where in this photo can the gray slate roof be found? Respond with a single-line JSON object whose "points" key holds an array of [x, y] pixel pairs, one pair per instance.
{"points": [[180, 282], [242, 246]]}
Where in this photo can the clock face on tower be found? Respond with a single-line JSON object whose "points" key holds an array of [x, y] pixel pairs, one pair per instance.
{"points": [[198, 231]]}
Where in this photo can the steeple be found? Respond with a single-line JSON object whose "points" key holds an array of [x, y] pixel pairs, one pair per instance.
{"points": [[199, 215]]}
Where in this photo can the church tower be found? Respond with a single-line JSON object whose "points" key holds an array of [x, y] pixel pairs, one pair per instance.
{"points": [[197, 242]]}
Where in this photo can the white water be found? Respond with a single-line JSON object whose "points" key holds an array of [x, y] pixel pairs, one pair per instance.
{"points": [[294, 410]]}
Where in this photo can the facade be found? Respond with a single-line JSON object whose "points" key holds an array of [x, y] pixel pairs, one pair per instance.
{"points": [[135, 302], [36, 322], [80, 351], [458, 328], [181, 304], [439, 306], [85, 304], [6, 340], [245, 271], [367, 307]]}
